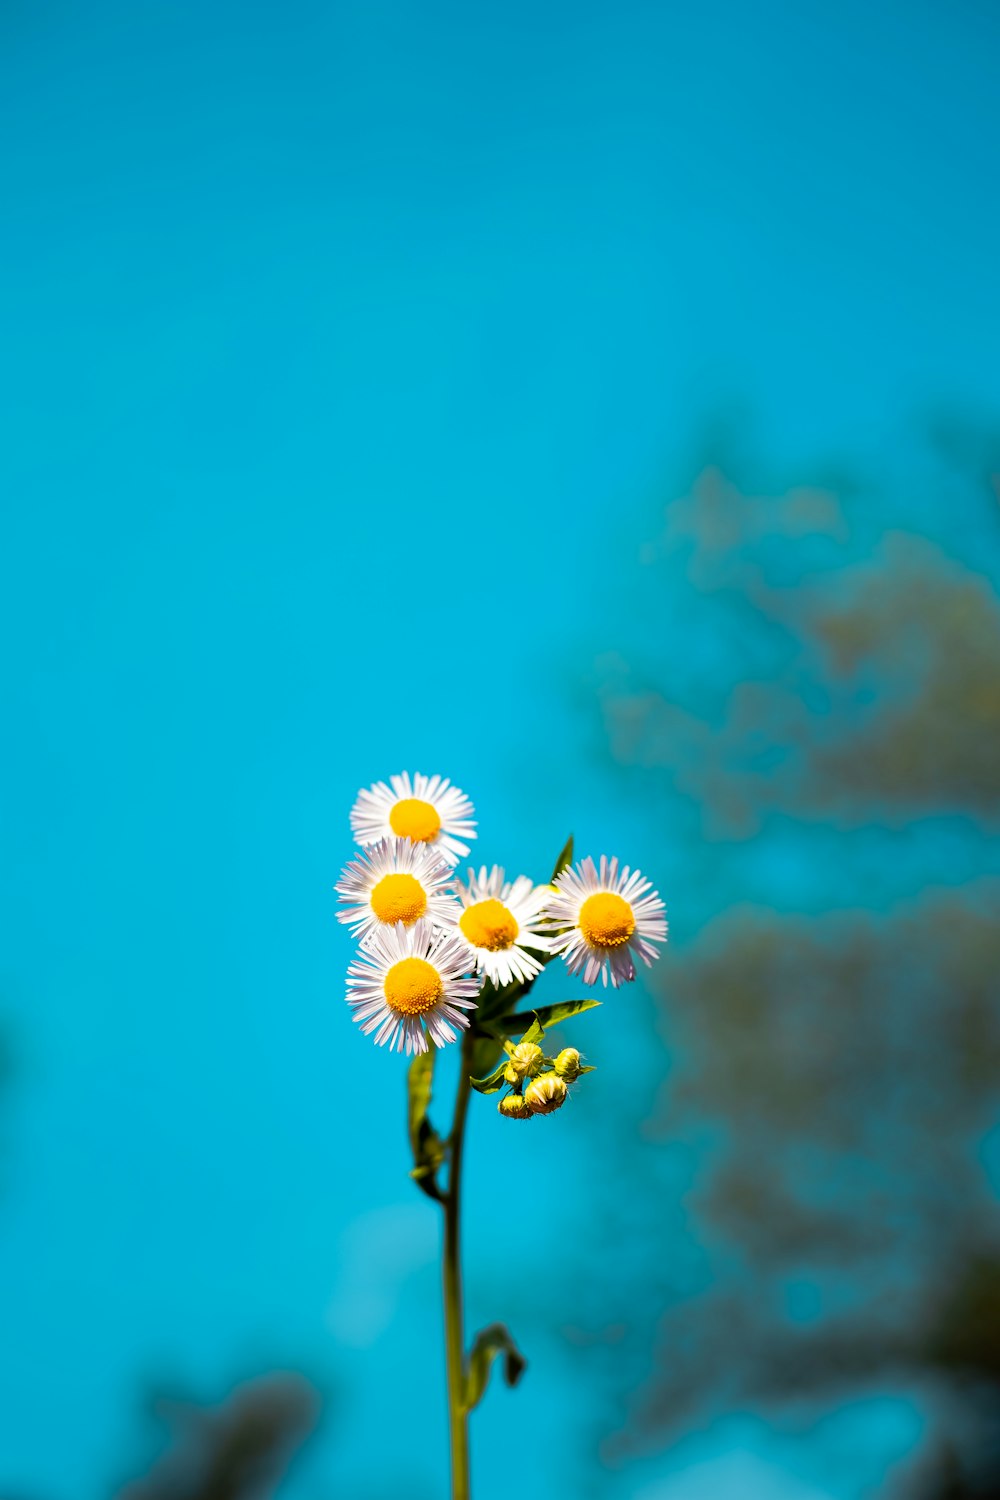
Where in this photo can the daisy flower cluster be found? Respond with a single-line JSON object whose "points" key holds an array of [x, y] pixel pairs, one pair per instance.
{"points": [[443, 957], [439, 954]]}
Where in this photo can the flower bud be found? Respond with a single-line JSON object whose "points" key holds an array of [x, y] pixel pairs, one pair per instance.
{"points": [[567, 1064], [524, 1062], [513, 1107], [545, 1094]]}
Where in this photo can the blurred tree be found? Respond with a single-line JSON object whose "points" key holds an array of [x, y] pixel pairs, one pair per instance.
{"points": [[237, 1451], [851, 687], [837, 699]]}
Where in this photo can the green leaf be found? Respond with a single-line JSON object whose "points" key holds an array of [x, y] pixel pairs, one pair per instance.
{"points": [[565, 859], [488, 1344], [547, 1015], [535, 1031], [421, 1083], [429, 1151], [493, 1082]]}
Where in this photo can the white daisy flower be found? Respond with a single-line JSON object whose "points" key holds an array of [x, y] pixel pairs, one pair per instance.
{"points": [[606, 917], [394, 881], [409, 984], [428, 810], [500, 922]]}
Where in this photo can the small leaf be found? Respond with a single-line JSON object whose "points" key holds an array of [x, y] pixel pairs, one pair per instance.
{"points": [[421, 1083], [565, 859], [492, 1082], [432, 1153], [488, 1344], [535, 1031], [429, 1151], [548, 1015]]}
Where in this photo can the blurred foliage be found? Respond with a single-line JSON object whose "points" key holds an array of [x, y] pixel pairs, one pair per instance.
{"points": [[238, 1451], [868, 689], [838, 1069]]}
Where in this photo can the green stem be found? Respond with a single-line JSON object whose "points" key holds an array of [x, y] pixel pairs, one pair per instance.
{"points": [[454, 1338]]}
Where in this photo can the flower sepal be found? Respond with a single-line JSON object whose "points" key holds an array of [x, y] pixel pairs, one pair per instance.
{"points": [[545, 1094], [524, 1061], [513, 1107]]}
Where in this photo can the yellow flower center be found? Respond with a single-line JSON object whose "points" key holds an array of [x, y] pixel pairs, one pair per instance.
{"points": [[489, 925], [413, 818], [399, 898], [412, 987], [606, 920]]}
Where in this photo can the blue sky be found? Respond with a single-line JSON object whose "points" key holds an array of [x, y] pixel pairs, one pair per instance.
{"points": [[343, 350]]}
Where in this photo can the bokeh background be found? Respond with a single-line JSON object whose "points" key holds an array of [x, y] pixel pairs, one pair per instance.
{"points": [[600, 405]]}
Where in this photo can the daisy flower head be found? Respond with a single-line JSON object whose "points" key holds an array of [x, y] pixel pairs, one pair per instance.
{"points": [[426, 809], [499, 921], [603, 917], [394, 881], [410, 985]]}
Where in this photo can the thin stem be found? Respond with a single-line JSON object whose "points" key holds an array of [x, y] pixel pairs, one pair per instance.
{"points": [[454, 1338]]}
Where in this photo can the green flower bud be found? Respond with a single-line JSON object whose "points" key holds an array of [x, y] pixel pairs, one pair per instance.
{"points": [[513, 1107], [567, 1064], [545, 1094], [524, 1062]]}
